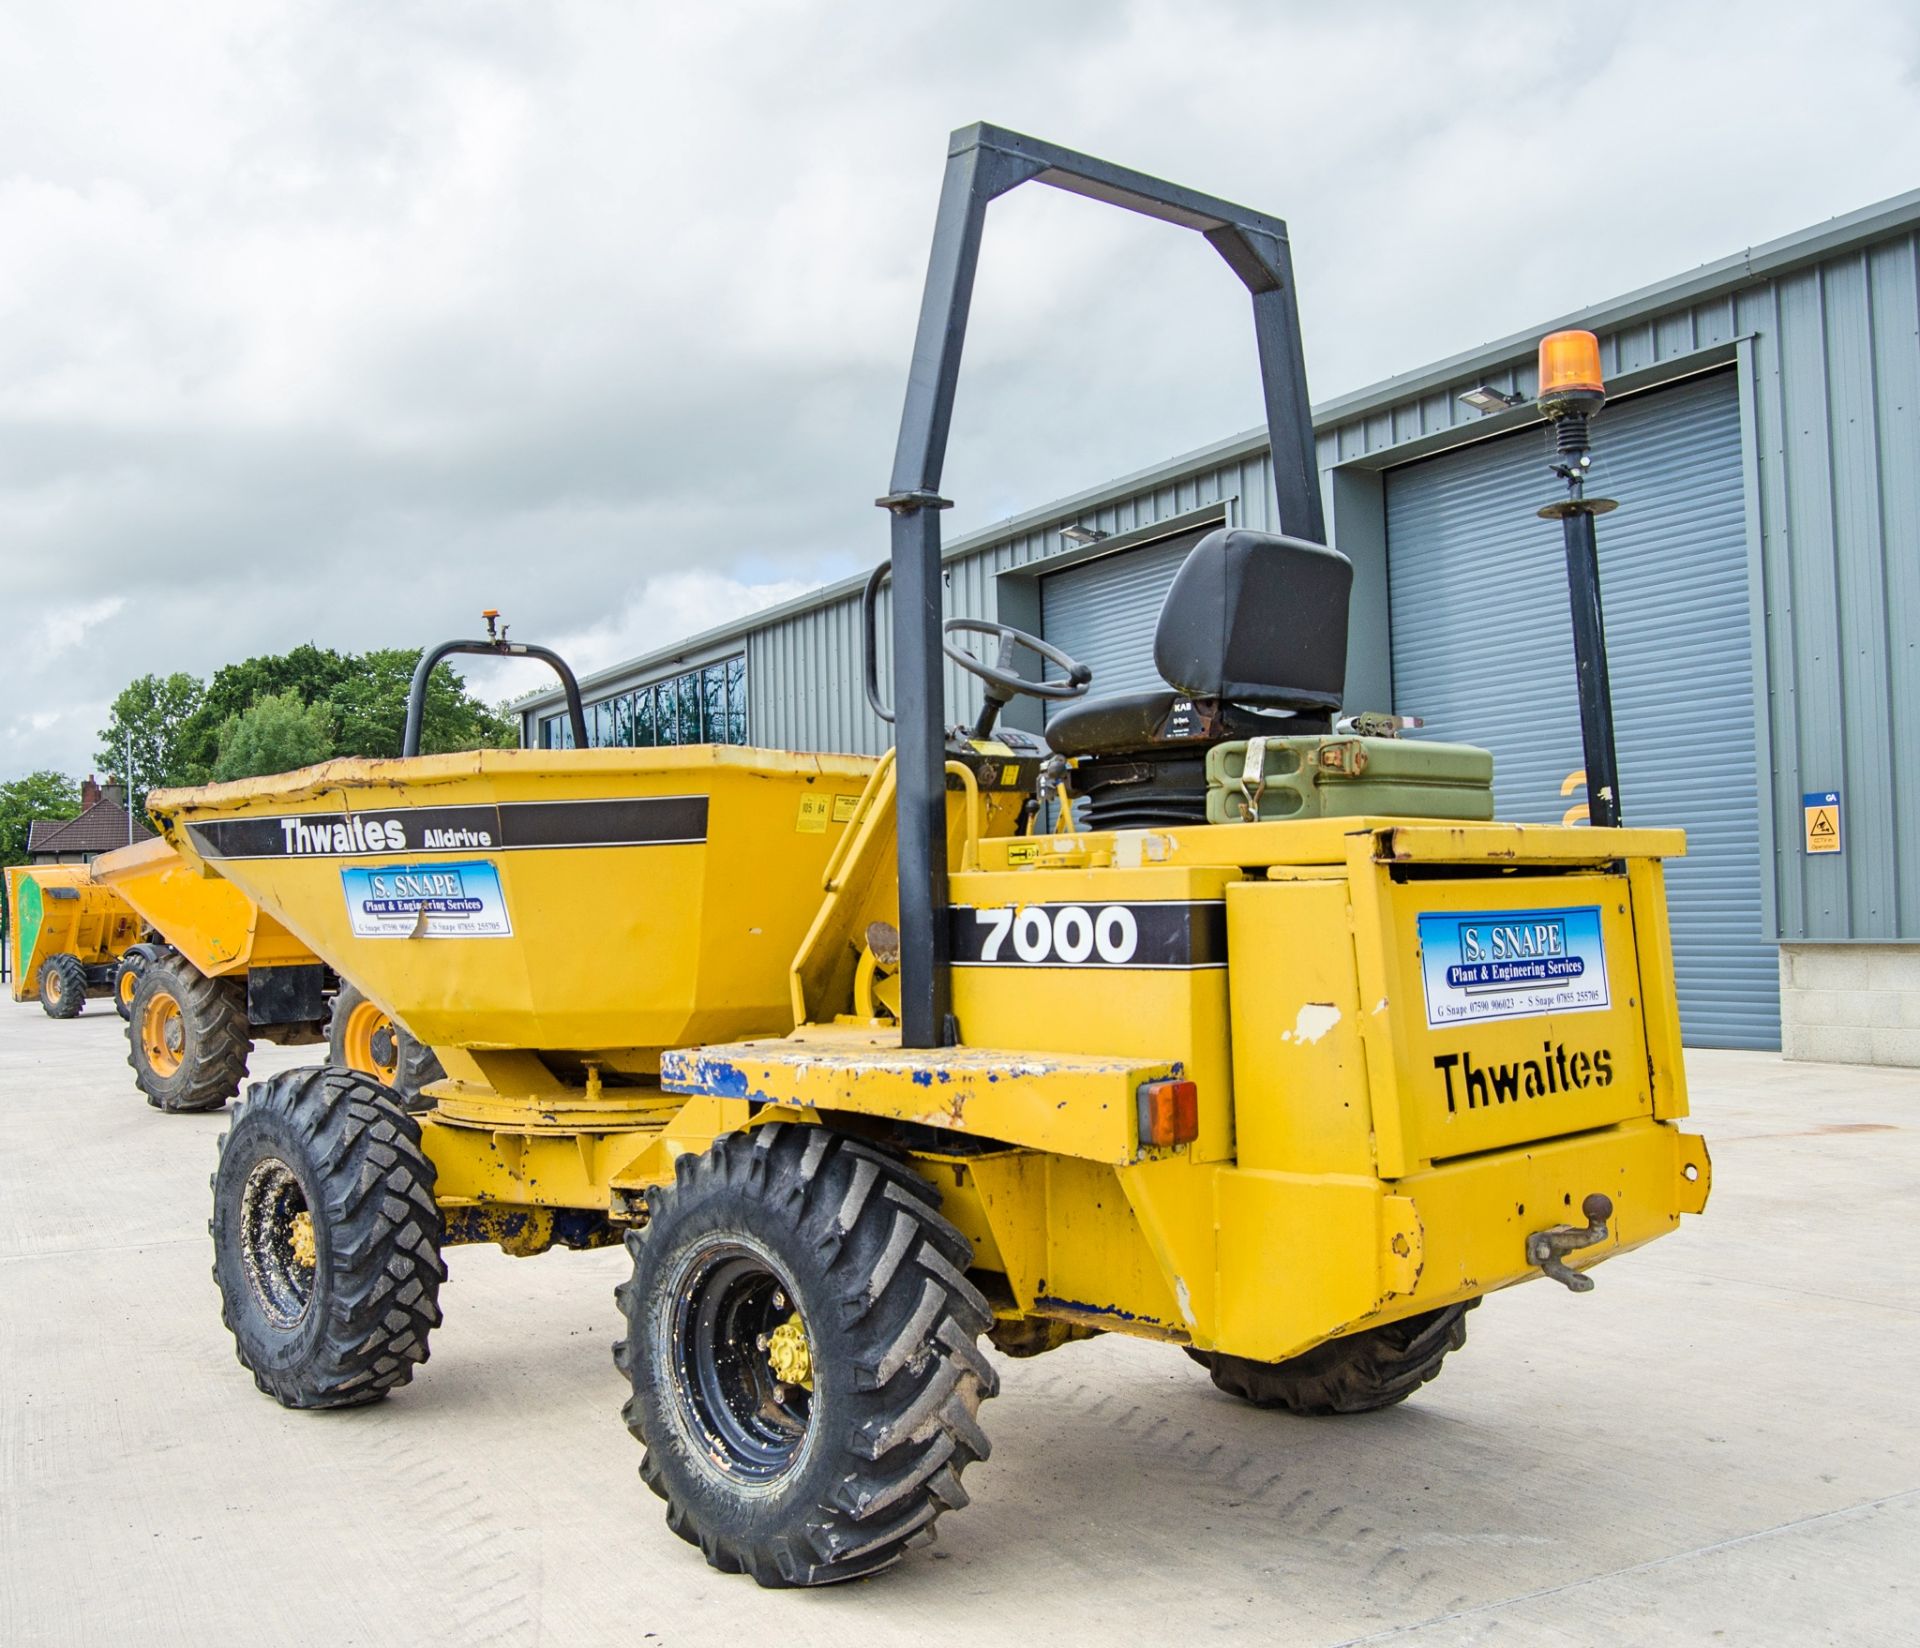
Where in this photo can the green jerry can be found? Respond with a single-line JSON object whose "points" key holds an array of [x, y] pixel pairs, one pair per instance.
{"points": [[1272, 779]]}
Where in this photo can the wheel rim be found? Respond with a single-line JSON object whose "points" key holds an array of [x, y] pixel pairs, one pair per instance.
{"points": [[128, 979], [163, 1034], [277, 1243], [733, 1316], [373, 1042], [56, 986]]}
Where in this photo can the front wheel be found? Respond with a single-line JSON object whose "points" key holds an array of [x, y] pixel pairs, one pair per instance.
{"points": [[326, 1239], [63, 986], [187, 1036], [1356, 1373], [802, 1346]]}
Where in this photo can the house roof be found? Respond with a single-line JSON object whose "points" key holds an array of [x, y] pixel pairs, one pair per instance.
{"points": [[99, 829]]}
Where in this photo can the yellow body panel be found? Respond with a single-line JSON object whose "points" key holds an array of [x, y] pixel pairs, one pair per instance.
{"points": [[59, 909], [203, 916], [1177, 1016], [1357, 1162], [1080, 1105]]}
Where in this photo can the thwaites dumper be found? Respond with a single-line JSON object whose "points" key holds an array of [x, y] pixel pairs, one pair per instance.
{"points": [[865, 1061], [67, 936], [215, 973]]}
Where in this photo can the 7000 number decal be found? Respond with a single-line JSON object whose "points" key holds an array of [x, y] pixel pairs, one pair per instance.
{"points": [[1091, 935]]}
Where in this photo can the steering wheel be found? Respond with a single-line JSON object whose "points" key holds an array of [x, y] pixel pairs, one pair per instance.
{"points": [[1001, 674]]}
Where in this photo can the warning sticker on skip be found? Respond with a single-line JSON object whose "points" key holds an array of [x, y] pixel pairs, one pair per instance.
{"points": [[1508, 964], [426, 901]]}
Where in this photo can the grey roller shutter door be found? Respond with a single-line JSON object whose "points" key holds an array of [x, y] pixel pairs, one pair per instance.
{"points": [[1483, 649], [1103, 612]]}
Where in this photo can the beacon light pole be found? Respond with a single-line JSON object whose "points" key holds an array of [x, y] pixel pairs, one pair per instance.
{"points": [[1571, 393]]}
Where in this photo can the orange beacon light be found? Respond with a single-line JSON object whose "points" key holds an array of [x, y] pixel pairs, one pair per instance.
{"points": [[1570, 377]]}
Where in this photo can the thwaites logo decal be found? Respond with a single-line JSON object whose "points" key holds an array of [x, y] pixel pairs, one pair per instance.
{"points": [[1477, 1084], [1506, 964], [1146, 936], [434, 900], [646, 821]]}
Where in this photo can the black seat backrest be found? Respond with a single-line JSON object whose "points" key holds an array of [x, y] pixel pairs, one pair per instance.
{"points": [[1257, 619]]}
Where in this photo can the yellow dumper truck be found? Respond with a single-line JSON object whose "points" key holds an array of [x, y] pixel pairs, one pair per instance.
{"points": [[215, 973], [67, 936], [1215, 1020]]}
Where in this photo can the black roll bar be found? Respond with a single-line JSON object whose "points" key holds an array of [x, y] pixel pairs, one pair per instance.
{"points": [[983, 163], [417, 692], [870, 641]]}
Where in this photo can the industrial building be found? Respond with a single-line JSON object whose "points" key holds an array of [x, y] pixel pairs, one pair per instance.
{"points": [[1762, 588]]}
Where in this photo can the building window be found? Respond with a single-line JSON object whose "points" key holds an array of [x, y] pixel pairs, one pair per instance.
{"points": [[736, 669], [702, 706]]}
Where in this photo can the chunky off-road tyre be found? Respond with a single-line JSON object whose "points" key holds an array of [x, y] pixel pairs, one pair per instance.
{"points": [[126, 975], [1358, 1373], [63, 986], [361, 1036], [803, 1349], [187, 1036], [326, 1239]]}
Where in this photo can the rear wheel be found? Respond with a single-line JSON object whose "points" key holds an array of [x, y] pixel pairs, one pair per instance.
{"points": [[126, 976], [1357, 1373], [802, 1346], [63, 986], [326, 1239], [187, 1037], [362, 1036]]}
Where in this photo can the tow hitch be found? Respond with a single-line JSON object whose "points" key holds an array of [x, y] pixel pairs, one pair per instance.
{"points": [[1547, 1248]]}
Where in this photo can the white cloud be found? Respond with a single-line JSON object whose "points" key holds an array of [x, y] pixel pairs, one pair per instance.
{"points": [[63, 628], [341, 324], [671, 607]]}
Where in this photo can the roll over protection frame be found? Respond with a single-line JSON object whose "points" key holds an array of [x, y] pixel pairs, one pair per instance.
{"points": [[499, 648], [983, 163]]}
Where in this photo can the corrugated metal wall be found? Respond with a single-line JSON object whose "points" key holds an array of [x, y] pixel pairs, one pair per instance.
{"points": [[1837, 374], [1832, 352], [1831, 360], [1483, 649], [803, 670], [1104, 612]]}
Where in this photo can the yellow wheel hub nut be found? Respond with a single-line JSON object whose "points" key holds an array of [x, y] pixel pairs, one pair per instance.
{"points": [[304, 1252], [787, 1351]]}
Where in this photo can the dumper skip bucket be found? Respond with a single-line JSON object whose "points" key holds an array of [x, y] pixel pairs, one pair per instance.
{"points": [[542, 899]]}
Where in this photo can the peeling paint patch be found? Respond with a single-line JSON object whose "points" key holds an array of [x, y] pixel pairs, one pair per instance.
{"points": [[722, 1080], [1184, 1299], [1315, 1020]]}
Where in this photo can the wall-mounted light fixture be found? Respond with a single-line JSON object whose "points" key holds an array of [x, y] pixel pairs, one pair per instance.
{"points": [[1083, 534], [1485, 399]]}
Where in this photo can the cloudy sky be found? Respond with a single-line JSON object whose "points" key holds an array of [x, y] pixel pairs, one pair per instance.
{"points": [[338, 322]]}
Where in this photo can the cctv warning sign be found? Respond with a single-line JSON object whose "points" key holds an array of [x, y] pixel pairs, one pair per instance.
{"points": [[1822, 811]]}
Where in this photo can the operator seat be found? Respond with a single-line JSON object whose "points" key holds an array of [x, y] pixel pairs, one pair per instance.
{"points": [[1252, 641]]}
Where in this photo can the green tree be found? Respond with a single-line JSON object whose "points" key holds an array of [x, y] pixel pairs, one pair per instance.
{"points": [[41, 794], [275, 734], [371, 707], [311, 672], [184, 731], [155, 711]]}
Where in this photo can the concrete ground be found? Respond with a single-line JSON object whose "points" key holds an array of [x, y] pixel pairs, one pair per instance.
{"points": [[1718, 1445]]}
